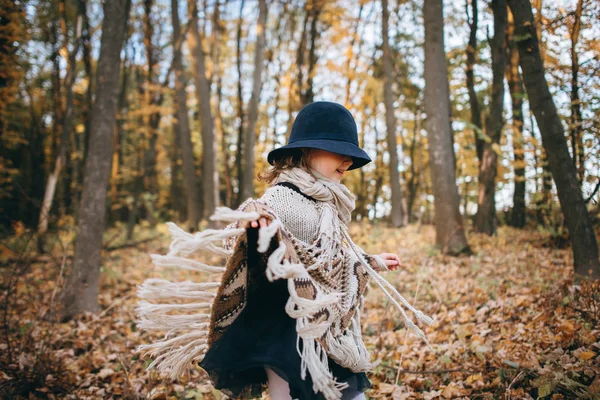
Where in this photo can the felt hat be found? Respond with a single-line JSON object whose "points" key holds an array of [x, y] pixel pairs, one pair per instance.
{"points": [[324, 125]]}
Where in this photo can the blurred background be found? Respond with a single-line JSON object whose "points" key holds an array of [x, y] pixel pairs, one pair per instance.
{"points": [[309, 50]]}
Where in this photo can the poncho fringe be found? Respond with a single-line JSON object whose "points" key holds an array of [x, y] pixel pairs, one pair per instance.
{"points": [[183, 310]]}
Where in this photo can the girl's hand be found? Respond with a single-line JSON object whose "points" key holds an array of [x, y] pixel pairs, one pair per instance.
{"points": [[262, 221], [391, 260]]}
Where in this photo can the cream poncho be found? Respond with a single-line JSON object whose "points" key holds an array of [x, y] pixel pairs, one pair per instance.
{"points": [[306, 243]]}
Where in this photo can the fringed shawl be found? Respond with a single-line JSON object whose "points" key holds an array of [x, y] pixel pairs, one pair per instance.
{"points": [[326, 281]]}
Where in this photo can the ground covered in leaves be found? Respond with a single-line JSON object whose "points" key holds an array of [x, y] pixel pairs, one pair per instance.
{"points": [[509, 323]]}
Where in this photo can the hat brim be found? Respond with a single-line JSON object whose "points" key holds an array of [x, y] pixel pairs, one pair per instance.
{"points": [[359, 156]]}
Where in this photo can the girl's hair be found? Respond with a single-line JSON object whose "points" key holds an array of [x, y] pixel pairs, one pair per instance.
{"points": [[293, 158]]}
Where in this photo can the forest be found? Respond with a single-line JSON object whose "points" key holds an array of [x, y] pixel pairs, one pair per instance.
{"points": [[482, 120]]}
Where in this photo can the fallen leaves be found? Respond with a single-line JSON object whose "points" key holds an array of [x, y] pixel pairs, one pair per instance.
{"points": [[504, 326]]}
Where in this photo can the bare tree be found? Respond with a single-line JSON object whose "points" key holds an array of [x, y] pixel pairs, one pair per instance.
{"points": [[581, 231], [397, 217], [82, 285], [450, 234]]}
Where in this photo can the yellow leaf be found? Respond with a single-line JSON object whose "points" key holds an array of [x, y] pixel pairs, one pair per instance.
{"points": [[474, 378], [586, 355]]}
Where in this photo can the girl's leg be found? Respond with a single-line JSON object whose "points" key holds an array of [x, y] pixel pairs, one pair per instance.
{"points": [[350, 393], [279, 389]]}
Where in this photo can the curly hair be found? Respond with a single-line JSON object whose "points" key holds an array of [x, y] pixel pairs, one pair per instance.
{"points": [[293, 158]]}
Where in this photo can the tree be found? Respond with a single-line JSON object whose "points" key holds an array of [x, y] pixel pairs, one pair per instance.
{"points": [[239, 158], [485, 219], [61, 156], [183, 124], [81, 289], [259, 57], [450, 234], [470, 75], [515, 87], [209, 169], [575, 123], [581, 231], [390, 119]]}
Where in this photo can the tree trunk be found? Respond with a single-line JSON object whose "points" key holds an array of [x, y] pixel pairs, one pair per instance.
{"points": [[82, 285], [183, 124], [259, 57], [281, 28], [118, 151], [412, 184], [397, 219], [138, 187], [61, 157], [362, 192], [517, 93], [209, 171], [378, 162], [87, 62], [228, 198], [56, 86], [239, 159], [450, 234], [485, 219], [304, 87], [353, 58], [316, 6], [470, 74], [152, 119], [177, 191], [544, 202], [57, 113], [576, 131], [581, 231]]}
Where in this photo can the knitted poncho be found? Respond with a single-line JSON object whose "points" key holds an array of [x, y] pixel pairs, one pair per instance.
{"points": [[306, 244]]}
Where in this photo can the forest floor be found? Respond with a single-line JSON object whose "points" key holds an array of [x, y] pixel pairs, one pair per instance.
{"points": [[509, 324]]}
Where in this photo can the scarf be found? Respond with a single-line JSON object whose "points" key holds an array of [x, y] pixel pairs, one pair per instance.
{"points": [[322, 189], [326, 281]]}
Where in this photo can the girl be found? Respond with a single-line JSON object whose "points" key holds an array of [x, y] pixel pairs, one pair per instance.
{"points": [[287, 310]]}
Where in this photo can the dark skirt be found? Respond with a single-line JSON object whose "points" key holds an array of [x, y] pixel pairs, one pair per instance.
{"points": [[262, 336]]}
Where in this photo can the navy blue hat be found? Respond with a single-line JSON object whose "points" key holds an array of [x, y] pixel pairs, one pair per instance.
{"points": [[324, 125]]}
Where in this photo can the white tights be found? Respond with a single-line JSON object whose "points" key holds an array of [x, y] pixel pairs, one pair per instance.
{"points": [[279, 389]]}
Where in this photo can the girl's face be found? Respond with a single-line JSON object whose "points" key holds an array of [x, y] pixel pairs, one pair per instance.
{"points": [[330, 165]]}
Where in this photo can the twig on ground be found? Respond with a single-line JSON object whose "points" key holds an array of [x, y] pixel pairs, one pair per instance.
{"points": [[114, 303], [509, 386]]}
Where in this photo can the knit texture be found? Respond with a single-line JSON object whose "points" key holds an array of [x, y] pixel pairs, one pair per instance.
{"points": [[307, 244], [300, 215]]}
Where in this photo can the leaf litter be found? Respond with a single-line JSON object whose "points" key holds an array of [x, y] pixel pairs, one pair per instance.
{"points": [[509, 323]]}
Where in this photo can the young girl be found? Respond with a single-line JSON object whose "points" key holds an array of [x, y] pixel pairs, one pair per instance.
{"points": [[287, 309]]}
